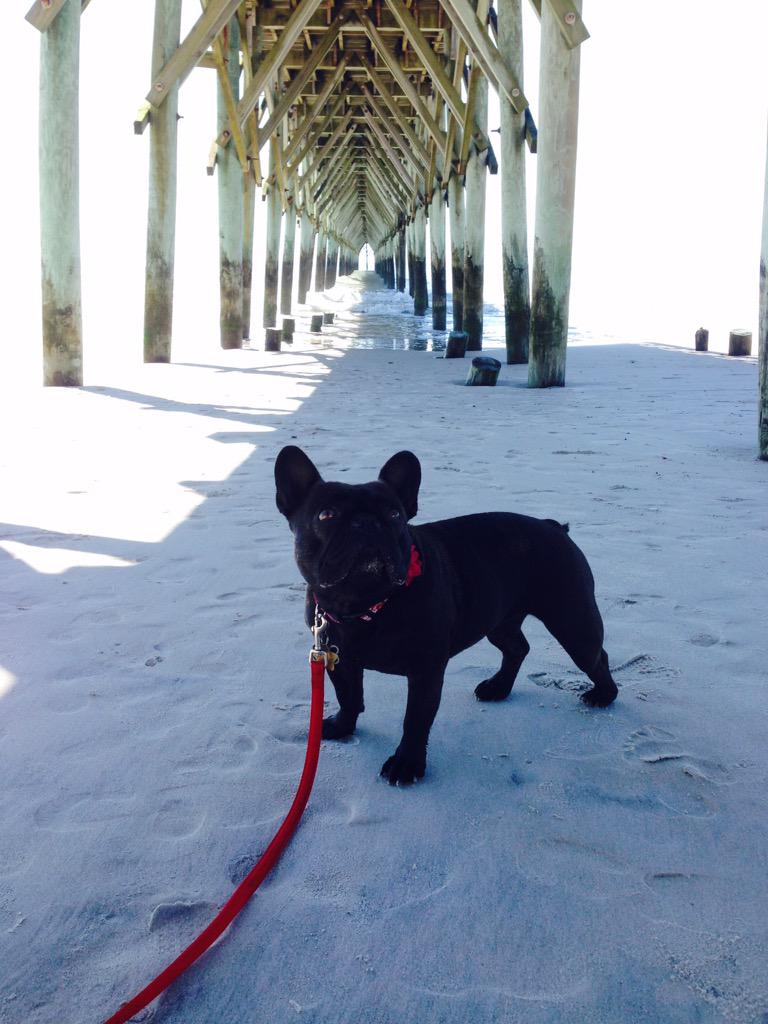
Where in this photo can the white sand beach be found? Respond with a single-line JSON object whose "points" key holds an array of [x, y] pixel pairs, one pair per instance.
{"points": [[556, 865]]}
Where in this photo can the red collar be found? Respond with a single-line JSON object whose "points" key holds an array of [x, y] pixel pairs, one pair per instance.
{"points": [[415, 568]]}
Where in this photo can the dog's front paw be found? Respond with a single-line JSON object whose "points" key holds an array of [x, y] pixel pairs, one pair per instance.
{"points": [[404, 768], [338, 726]]}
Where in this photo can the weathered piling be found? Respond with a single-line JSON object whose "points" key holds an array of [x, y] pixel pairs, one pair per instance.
{"points": [[762, 418], [161, 215], [289, 329], [457, 221], [272, 254], [437, 257], [316, 323], [306, 250], [60, 200], [320, 254], [483, 372], [230, 191], [474, 237], [702, 340], [273, 339], [249, 212], [289, 246], [420, 297], [555, 193], [514, 231], [401, 258], [409, 249], [457, 345], [740, 343], [331, 263]]}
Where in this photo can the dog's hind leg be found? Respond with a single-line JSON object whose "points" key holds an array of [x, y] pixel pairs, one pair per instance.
{"points": [[509, 639], [580, 633]]}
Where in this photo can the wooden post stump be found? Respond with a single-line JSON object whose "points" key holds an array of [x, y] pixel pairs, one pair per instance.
{"points": [[327, 318], [484, 371], [289, 326], [457, 345], [316, 323], [273, 338], [702, 340], [740, 343]]}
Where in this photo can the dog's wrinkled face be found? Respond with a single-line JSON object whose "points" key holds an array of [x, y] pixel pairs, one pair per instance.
{"points": [[352, 540]]}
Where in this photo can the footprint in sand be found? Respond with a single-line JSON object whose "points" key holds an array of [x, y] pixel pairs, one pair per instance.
{"points": [[181, 915], [176, 820], [683, 783]]}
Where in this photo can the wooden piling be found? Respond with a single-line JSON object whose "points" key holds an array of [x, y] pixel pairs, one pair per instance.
{"points": [[249, 212], [474, 230], [273, 339], [762, 428], [289, 247], [409, 253], [456, 219], [230, 192], [437, 257], [306, 250], [457, 345], [316, 323], [420, 297], [331, 263], [514, 232], [59, 200], [483, 372], [272, 254], [555, 193], [740, 343], [161, 215], [401, 258], [320, 256], [702, 340]]}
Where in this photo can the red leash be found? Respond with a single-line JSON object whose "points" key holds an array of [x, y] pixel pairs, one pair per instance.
{"points": [[258, 873]]}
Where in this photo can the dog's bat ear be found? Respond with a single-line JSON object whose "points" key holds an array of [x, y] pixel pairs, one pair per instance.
{"points": [[403, 474], [295, 476]]}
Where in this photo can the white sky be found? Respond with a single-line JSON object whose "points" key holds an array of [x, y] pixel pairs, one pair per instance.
{"points": [[669, 195]]}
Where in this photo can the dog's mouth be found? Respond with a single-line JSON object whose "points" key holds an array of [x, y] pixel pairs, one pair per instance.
{"points": [[369, 569]]}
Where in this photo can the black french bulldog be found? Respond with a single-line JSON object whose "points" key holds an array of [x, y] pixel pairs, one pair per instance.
{"points": [[404, 600]]}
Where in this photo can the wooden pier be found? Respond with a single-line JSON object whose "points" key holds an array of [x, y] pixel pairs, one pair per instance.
{"points": [[360, 123]]}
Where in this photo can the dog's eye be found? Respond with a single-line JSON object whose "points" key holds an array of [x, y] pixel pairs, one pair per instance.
{"points": [[327, 513]]}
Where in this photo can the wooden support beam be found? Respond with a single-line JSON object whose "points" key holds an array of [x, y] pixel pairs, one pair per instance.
{"points": [[43, 12], [306, 249], [479, 44], [289, 247], [762, 356], [457, 222], [402, 78], [437, 253], [420, 297], [60, 200], [273, 60], [327, 147], [474, 232], [252, 46], [161, 215], [402, 121], [414, 154], [230, 193], [320, 251], [249, 212], [569, 21], [272, 254], [389, 152], [201, 35], [300, 80], [226, 76], [555, 194], [514, 230], [293, 153]]}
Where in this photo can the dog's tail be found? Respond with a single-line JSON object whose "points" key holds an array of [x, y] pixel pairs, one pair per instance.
{"points": [[562, 526]]}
